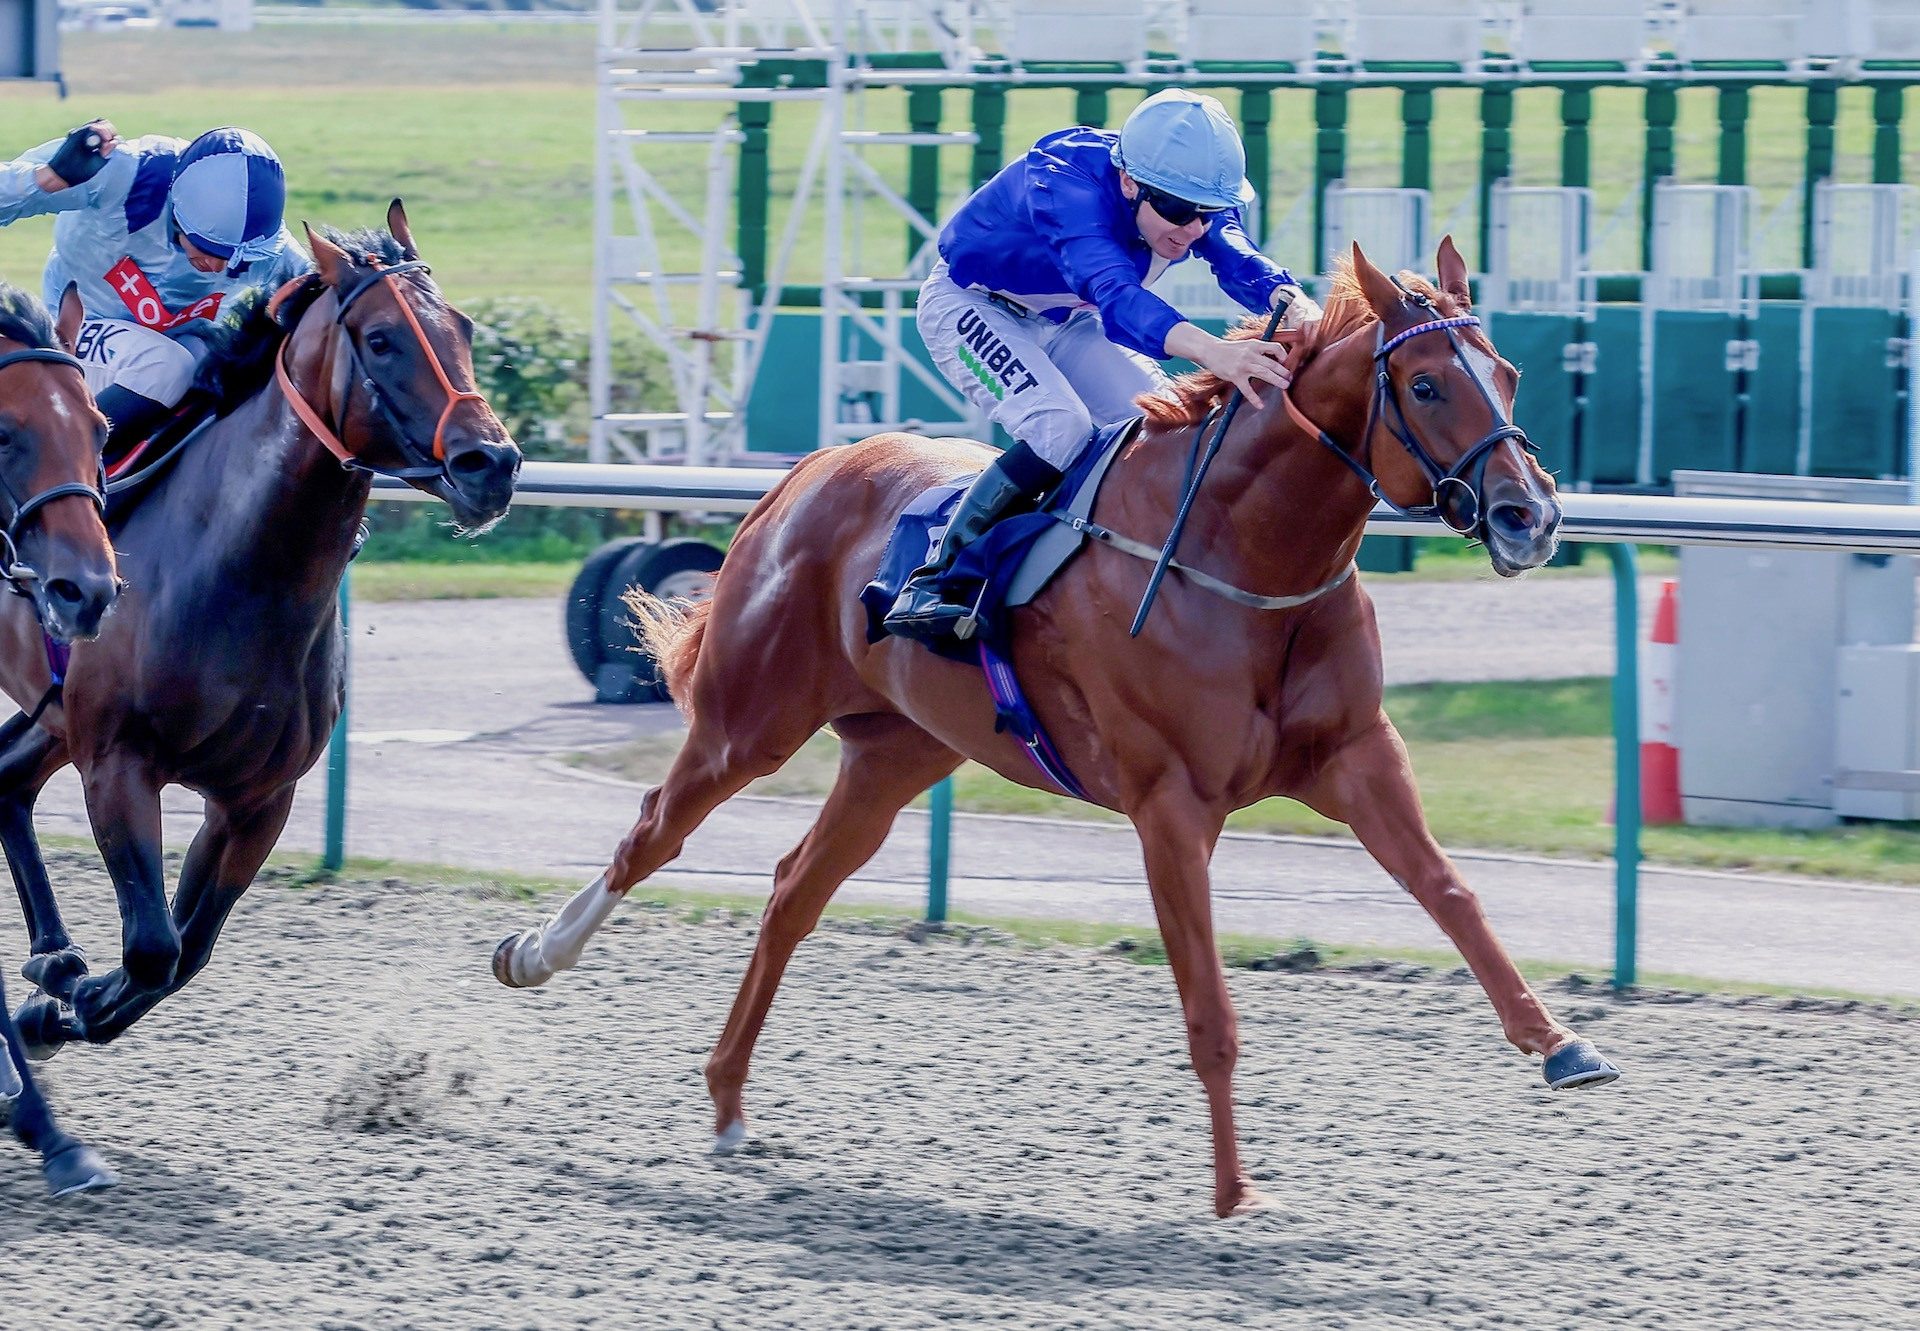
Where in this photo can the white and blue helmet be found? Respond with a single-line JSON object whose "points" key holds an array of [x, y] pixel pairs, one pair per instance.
{"points": [[228, 194], [1185, 144]]}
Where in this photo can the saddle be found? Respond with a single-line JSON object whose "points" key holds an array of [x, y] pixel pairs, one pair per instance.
{"points": [[133, 474], [1010, 565], [1003, 570]]}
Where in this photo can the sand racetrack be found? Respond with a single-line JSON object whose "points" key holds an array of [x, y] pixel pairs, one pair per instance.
{"points": [[346, 1124]]}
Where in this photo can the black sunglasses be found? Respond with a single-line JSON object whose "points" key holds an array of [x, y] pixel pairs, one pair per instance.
{"points": [[1173, 210]]}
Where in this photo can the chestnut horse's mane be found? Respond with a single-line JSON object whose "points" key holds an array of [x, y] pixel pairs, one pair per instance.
{"points": [[1189, 397]]}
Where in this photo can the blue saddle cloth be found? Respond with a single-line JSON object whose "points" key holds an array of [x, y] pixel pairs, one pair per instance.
{"points": [[1012, 562], [1004, 569]]}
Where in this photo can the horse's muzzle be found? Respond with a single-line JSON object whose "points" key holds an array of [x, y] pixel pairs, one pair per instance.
{"points": [[479, 480], [1522, 528], [73, 603]]}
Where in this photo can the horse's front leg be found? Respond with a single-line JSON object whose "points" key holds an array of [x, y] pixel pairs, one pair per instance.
{"points": [[68, 1164], [1368, 784], [56, 962], [1176, 837], [123, 804], [220, 866]]}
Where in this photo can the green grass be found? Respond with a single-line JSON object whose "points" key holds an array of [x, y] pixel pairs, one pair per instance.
{"points": [[418, 581], [1524, 767], [487, 131]]}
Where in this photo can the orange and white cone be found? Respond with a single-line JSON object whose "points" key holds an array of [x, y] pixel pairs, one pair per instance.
{"points": [[1659, 754]]}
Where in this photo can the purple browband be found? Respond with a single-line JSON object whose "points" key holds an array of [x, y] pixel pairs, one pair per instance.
{"points": [[1457, 321]]}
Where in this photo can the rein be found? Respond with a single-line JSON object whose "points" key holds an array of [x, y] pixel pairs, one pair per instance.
{"points": [[347, 356]]}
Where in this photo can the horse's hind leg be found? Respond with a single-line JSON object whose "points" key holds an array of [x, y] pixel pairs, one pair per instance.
{"points": [[55, 964], [885, 760], [1369, 786], [68, 1164], [716, 763]]}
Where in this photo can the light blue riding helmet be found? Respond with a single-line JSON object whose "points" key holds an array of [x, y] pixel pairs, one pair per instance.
{"points": [[228, 194], [1185, 144]]}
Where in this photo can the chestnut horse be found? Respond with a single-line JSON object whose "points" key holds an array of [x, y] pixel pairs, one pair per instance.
{"points": [[56, 556], [1213, 707], [222, 669]]}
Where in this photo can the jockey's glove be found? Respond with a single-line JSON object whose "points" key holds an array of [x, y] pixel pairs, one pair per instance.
{"points": [[1297, 308], [79, 159]]}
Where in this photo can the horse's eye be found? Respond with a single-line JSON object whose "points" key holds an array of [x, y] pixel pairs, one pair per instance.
{"points": [[1424, 390], [379, 343]]}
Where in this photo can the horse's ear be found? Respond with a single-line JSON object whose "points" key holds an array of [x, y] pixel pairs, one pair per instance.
{"points": [[329, 259], [1453, 274], [397, 224], [1382, 295], [72, 314]]}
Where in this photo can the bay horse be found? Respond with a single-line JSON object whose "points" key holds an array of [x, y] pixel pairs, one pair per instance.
{"points": [[56, 557], [1213, 707], [222, 669]]}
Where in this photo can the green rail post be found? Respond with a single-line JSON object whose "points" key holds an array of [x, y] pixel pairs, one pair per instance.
{"points": [[1256, 121], [1889, 103], [1736, 101], [1496, 155], [990, 127], [1663, 108], [336, 849], [923, 163], [1626, 765], [1416, 138], [1329, 160], [1823, 105], [755, 189], [939, 840], [1090, 106], [1576, 137]]}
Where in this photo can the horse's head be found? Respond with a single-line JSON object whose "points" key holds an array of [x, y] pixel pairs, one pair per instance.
{"points": [[402, 369], [54, 547], [1446, 396]]}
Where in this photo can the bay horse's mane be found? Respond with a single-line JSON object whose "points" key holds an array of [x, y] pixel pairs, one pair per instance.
{"points": [[241, 347], [24, 319], [1191, 396]]}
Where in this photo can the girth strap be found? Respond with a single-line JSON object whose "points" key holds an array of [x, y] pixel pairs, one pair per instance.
{"points": [[1141, 550]]}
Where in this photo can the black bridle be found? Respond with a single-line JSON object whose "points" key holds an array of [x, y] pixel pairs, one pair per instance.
{"points": [[22, 511], [1458, 492]]}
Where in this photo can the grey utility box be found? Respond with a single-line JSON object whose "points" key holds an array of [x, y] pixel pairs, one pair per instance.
{"points": [[29, 39], [1761, 635]]}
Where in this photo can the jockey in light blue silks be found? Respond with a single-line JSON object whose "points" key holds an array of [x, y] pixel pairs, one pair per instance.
{"points": [[1039, 309], [157, 234]]}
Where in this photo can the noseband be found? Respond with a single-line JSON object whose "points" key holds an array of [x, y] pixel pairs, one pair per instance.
{"points": [[350, 370], [12, 569], [1457, 491]]}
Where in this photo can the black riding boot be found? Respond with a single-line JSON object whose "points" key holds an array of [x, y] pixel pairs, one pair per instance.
{"points": [[131, 417], [920, 611]]}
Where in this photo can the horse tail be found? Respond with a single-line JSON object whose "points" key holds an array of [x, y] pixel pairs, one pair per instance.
{"points": [[671, 632]]}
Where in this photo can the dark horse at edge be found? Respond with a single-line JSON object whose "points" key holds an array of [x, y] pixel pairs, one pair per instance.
{"points": [[58, 561], [222, 668]]}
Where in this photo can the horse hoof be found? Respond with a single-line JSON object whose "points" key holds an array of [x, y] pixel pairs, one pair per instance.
{"points": [[730, 1138], [56, 973], [11, 1087], [75, 1169], [503, 963], [1575, 1065], [1248, 1202], [43, 1028]]}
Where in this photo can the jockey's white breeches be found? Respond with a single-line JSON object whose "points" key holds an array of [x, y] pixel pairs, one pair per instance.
{"points": [[1046, 384], [135, 358]]}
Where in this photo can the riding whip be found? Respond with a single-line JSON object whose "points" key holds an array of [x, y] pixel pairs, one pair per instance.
{"points": [[1193, 489]]}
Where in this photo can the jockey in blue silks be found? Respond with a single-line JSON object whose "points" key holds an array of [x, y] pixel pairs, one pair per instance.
{"points": [[1039, 309], [156, 233]]}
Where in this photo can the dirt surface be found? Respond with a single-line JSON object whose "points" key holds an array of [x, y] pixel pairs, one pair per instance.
{"points": [[346, 1124]]}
